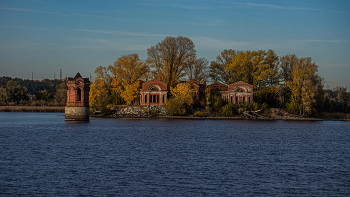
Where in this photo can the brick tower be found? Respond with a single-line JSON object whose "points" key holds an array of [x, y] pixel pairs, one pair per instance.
{"points": [[77, 107]]}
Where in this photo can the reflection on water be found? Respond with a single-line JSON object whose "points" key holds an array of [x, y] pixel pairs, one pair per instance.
{"points": [[41, 154]]}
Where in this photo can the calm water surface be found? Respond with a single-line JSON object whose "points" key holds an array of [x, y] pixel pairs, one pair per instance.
{"points": [[42, 155]]}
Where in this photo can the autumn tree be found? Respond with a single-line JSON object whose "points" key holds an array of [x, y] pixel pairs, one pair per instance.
{"points": [[259, 68], [131, 92], [104, 90], [219, 71], [170, 57], [303, 83], [181, 101], [129, 69]]}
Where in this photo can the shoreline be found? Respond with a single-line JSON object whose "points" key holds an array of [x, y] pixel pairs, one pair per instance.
{"points": [[210, 118], [61, 109], [55, 109]]}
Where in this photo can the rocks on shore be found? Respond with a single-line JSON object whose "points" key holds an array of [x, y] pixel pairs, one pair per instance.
{"points": [[140, 111]]}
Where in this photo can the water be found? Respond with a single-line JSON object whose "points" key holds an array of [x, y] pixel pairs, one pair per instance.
{"points": [[42, 155]]}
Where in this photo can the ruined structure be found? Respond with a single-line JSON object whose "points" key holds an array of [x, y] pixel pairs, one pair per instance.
{"points": [[77, 107], [197, 89], [238, 92], [153, 93]]}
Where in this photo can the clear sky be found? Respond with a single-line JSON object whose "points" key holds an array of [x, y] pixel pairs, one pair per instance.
{"points": [[43, 37]]}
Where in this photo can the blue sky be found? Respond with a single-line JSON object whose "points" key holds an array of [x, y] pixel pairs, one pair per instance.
{"points": [[77, 36]]}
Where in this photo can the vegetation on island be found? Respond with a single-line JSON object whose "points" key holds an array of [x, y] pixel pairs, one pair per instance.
{"points": [[287, 82]]}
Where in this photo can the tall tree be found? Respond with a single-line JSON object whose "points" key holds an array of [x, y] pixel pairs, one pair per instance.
{"points": [[104, 90], [304, 84], [198, 70], [129, 69], [219, 68], [170, 57]]}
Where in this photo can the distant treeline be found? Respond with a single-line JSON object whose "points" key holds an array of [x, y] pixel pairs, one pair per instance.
{"points": [[33, 86], [17, 91]]}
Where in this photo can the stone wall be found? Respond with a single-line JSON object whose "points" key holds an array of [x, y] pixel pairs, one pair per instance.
{"points": [[77, 113]]}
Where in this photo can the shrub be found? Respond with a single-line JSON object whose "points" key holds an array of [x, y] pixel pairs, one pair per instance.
{"points": [[228, 110], [106, 111], [176, 107], [199, 114]]}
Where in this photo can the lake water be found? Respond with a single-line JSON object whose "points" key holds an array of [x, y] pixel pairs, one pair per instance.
{"points": [[43, 155]]}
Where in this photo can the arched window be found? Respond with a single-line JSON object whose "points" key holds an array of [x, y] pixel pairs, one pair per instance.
{"points": [[79, 94]]}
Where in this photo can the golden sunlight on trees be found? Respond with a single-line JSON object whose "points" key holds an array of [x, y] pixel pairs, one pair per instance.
{"points": [[181, 101], [287, 81], [170, 57], [131, 92], [127, 72], [259, 68], [104, 90], [219, 68], [129, 69], [303, 83]]}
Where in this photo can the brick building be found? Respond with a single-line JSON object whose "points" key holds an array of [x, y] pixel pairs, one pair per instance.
{"points": [[238, 92], [197, 89], [77, 107], [153, 93]]}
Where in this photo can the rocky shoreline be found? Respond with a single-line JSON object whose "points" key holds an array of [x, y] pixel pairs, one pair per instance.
{"points": [[159, 112]]}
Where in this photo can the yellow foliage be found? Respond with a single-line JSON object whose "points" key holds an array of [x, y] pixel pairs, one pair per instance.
{"points": [[129, 68], [130, 92], [182, 91]]}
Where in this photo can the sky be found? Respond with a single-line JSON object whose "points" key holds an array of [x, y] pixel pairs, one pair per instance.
{"points": [[42, 37]]}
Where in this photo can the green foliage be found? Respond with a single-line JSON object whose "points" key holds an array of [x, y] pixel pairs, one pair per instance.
{"points": [[199, 114], [177, 107], [216, 103], [43, 95], [292, 106], [60, 96], [106, 111], [228, 110]]}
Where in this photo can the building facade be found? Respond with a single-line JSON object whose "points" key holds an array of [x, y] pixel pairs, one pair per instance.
{"points": [[77, 106], [238, 92], [153, 93]]}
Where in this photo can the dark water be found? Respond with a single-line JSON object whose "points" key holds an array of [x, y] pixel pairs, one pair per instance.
{"points": [[42, 155]]}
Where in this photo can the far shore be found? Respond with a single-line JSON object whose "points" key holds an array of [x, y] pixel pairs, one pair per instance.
{"points": [[58, 109]]}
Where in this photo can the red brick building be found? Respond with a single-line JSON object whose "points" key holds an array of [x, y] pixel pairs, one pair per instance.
{"points": [[238, 92], [153, 93], [78, 91], [77, 107], [197, 89]]}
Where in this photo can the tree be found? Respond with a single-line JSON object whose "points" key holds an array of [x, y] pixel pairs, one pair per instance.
{"points": [[197, 70], [60, 96], [181, 101], [259, 68], [219, 68], [4, 94], [43, 95], [129, 69], [131, 92], [303, 83], [104, 90], [170, 57], [16, 92]]}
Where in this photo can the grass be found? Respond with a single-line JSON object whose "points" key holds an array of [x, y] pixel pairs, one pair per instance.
{"points": [[335, 116], [31, 109]]}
